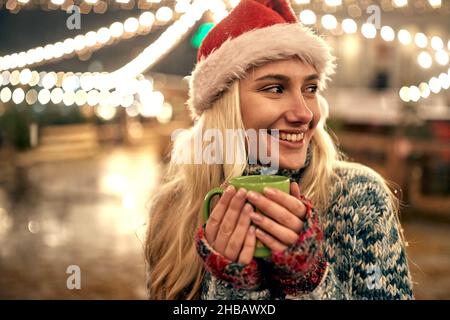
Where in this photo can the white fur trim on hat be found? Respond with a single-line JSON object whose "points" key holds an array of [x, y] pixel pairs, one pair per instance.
{"points": [[213, 75]]}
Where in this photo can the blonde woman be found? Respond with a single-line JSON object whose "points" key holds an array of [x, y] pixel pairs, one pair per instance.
{"points": [[335, 236]]}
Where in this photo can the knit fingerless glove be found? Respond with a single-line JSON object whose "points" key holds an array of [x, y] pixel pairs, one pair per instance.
{"points": [[300, 268], [237, 274]]}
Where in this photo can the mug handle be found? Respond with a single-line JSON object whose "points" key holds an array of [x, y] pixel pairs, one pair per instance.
{"points": [[207, 201]]}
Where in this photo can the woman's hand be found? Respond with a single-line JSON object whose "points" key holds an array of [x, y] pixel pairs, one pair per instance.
{"points": [[283, 219], [228, 228]]}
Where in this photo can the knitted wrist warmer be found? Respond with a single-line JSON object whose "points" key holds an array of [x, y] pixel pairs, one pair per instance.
{"points": [[300, 267], [237, 274]]}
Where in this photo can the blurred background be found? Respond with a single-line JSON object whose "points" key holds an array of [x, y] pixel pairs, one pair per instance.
{"points": [[90, 92]]}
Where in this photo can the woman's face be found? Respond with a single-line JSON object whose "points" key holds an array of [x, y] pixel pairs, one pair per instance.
{"points": [[282, 95]]}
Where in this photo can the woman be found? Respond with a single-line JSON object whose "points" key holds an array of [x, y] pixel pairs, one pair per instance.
{"points": [[335, 236]]}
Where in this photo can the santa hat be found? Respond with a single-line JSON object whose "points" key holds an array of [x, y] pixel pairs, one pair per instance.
{"points": [[255, 32]]}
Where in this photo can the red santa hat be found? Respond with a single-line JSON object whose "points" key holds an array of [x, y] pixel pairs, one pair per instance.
{"points": [[255, 32]]}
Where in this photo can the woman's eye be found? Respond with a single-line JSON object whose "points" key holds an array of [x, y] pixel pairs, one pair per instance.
{"points": [[311, 89], [274, 89]]}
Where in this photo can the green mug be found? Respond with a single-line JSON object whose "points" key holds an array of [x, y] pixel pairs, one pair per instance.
{"points": [[255, 183]]}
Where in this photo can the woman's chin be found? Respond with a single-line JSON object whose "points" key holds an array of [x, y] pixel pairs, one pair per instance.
{"points": [[292, 165]]}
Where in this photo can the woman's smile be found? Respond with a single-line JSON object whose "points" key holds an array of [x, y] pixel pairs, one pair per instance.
{"points": [[291, 139]]}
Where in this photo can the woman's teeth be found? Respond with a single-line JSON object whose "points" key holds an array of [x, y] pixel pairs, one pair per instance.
{"points": [[292, 137]]}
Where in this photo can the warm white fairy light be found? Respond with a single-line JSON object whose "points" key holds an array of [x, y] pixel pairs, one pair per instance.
{"points": [[307, 17], [80, 43], [441, 57], [58, 2], [49, 80], [25, 76], [56, 95], [164, 14], [91, 38], [93, 97], [424, 90], [404, 94], [146, 19], [424, 59], [105, 112], [69, 98], [421, 40], [349, 26], [400, 3], [219, 11], [116, 29], [329, 22], [14, 79], [435, 3], [131, 25], [18, 95], [103, 35], [5, 95], [182, 6], [437, 43], [404, 37], [153, 53], [414, 93], [444, 80], [44, 96], [333, 3], [387, 33], [80, 98], [435, 85], [368, 30], [31, 96]]}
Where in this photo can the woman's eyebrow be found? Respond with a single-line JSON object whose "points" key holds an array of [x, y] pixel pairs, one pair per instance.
{"points": [[282, 77]]}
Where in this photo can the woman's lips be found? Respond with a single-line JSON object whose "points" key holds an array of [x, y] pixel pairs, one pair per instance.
{"points": [[289, 144]]}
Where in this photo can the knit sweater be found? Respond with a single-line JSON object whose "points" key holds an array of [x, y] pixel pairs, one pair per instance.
{"points": [[362, 253]]}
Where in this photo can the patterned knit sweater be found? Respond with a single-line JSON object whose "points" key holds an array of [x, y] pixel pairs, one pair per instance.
{"points": [[362, 247]]}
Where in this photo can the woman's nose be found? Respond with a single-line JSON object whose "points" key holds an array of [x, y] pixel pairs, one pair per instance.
{"points": [[299, 111]]}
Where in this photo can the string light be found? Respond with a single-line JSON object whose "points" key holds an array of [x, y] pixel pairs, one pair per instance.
{"points": [[424, 59], [329, 22], [435, 3], [117, 31], [368, 30], [307, 17], [349, 26], [400, 3], [387, 33], [404, 37]]}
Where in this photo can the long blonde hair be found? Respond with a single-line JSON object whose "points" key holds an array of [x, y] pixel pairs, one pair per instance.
{"points": [[175, 270]]}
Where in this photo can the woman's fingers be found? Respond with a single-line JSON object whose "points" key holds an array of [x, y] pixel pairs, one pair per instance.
{"points": [[269, 241], [290, 202], [276, 230], [295, 190], [278, 205], [248, 249], [237, 238], [214, 220], [229, 220]]}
